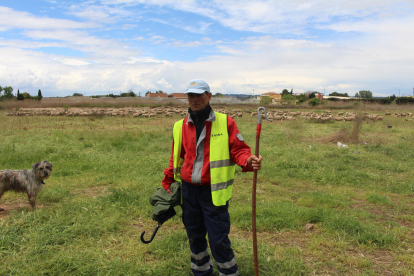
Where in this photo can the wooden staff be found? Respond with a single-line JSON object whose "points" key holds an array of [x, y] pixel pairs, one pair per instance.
{"points": [[258, 130]]}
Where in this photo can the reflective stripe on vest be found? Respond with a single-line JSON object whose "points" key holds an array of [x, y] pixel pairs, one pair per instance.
{"points": [[221, 167]]}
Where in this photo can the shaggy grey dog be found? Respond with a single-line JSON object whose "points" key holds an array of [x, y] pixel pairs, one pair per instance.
{"points": [[26, 181]]}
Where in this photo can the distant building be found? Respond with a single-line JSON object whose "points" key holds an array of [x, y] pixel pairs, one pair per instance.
{"points": [[179, 96], [319, 96], [157, 95], [272, 95]]}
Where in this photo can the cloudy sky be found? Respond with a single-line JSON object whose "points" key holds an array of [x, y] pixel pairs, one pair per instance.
{"points": [[99, 47]]}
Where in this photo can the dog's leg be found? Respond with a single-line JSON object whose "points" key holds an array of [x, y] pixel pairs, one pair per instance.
{"points": [[1, 194], [32, 200]]}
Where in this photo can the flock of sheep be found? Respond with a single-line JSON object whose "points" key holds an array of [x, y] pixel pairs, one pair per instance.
{"points": [[279, 115], [276, 115]]}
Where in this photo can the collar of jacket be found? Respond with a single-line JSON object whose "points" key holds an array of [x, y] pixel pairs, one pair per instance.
{"points": [[206, 113]]}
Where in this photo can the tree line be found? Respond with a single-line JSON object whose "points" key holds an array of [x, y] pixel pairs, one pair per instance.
{"points": [[6, 93], [361, 96]]}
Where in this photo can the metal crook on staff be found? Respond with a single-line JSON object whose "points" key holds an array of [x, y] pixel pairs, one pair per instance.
{"points": [[258, 130]]}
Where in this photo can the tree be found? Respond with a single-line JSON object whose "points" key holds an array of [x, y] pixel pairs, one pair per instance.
{"points": [[285, 92], [339, 94], [314, 102], [365, 94], [218, 95], [288, 97], [77, 95], [312, 95], [266, 100], [1, 89], [302, 98], [39, 95], [131, 93], [26, 96], [19, 96], [356, 95], [393, 97], [8, 92]]}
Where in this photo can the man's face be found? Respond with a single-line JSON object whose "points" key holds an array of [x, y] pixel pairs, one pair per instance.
{"points": [[198, 101]]}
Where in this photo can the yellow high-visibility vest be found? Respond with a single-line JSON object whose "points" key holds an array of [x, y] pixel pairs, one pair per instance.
{"points": [[221, 167]]}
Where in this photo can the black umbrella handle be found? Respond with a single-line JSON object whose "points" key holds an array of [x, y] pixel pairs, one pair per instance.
{"points": [[152, 237]]}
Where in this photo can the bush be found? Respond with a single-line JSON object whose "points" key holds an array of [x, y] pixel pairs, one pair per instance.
{"points": [[266, 100], [404, 100], [302, 98], [314, 102]]}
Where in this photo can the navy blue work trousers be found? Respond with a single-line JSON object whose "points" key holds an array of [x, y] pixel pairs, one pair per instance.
{"points": [[201, 217]]}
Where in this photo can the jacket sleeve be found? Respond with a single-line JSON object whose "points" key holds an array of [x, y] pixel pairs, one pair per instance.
{"points": [[239, 150], [169, 172]]}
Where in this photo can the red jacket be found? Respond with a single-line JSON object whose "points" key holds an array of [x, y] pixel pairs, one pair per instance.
{"points": [[198, 171]]}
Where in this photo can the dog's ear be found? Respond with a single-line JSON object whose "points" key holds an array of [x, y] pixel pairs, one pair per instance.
{"points": [[34, 166]]}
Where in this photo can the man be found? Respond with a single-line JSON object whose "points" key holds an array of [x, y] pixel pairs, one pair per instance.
{"points": [[206, 147]]}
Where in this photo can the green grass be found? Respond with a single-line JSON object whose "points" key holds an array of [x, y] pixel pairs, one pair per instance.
{"points": [[95, 205]]}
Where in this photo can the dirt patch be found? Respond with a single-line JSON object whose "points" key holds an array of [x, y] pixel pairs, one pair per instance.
{"points": [[9, 207], [377, 212]]}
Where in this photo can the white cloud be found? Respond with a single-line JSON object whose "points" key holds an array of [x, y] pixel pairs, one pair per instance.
{"points": [[11, 19], [72, 61]]}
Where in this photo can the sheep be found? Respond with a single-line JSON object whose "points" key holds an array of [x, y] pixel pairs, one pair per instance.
{"points": [[350, 118]]}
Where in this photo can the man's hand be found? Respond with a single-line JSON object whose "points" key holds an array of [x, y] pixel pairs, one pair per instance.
{"points": [[169, 191], [255, 162]]}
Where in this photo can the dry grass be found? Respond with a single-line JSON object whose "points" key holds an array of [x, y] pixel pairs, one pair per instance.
{"points": [[143, 101], [344, 135], [89, 102]]}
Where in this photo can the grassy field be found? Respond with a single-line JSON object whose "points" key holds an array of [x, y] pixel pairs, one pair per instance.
{"points": [[359, 200]]}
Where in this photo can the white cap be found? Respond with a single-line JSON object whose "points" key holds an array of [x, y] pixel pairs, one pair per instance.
{"points": [[197, 86]]}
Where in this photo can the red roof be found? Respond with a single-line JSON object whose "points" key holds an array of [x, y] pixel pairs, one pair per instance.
{"points": [[179, 95]]}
